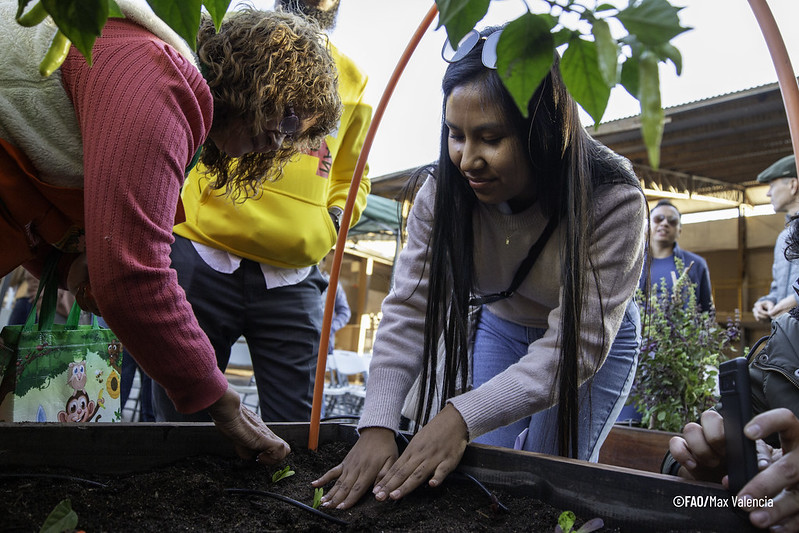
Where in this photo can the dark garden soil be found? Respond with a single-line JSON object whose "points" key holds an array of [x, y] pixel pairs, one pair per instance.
{"points": [[192, 495]]}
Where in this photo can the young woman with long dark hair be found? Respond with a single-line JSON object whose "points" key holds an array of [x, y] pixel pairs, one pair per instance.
{"points": [[535, 200]]}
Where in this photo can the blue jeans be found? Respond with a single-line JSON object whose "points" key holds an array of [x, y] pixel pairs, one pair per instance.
{"points": [[500, 343]]}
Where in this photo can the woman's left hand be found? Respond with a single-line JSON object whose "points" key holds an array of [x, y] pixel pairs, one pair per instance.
{"points": [[435, 450]]}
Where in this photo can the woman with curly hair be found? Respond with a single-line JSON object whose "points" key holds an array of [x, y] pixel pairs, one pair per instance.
{"points": [[92, 160]]}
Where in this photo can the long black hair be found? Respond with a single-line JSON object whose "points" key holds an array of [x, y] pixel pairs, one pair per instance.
{"points": [[566, 163]]}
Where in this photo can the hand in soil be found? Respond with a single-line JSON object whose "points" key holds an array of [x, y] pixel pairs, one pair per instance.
{"points": [[370, 458], [251, 437], [435, 450]]}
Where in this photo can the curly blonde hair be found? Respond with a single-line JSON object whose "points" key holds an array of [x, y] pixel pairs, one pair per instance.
{"points": [[259, 64]]}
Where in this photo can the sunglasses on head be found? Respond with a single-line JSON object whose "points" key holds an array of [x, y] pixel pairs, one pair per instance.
{"points": [[290, 123], [468, 43]]}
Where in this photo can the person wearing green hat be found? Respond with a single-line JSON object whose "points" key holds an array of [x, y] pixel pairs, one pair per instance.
{"points": [[783, 191]]}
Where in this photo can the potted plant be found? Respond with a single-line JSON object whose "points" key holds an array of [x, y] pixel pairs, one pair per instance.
{"points": [[681, 347]]}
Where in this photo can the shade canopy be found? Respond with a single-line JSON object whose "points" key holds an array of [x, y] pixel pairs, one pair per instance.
{"points": [[381, 218]]}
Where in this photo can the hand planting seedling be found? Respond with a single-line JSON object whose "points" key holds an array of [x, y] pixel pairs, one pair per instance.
{"points": [[280, 474], [566, 523]]}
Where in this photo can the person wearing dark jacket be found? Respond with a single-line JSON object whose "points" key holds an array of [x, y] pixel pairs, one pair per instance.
{"points": [[699, 453]]}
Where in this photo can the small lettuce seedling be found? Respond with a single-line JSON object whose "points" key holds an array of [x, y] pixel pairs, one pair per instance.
{"points": [[566, 523], [62, 518], [280, 474], [317, 497]]}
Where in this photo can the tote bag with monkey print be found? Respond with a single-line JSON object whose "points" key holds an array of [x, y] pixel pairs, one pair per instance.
{"points": [[66, 373]]}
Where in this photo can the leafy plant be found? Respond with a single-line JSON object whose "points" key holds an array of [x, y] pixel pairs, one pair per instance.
{"points": [[317, 497], [680, 352], [566, 523], [80, 22], [282, 473], [61, 518], [593, 60]]}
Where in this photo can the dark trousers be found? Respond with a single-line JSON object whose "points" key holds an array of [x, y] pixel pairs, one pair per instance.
{"points": [[129, 369], [128, 373], [282, 327]]}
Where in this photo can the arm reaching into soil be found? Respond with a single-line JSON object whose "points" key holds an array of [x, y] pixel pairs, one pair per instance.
{"points": [[250, 435]]}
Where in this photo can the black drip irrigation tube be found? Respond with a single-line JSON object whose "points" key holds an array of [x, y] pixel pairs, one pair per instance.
{"points": [[291, 501], [58, 476]]}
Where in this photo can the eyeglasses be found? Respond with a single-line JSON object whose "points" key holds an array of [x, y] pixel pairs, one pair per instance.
{"points": [[672, 221], [290, 123], [466, 45]]}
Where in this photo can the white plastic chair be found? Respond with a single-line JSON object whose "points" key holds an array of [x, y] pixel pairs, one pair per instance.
{"points": [[247, 393], [334, 389], [351, 376]]}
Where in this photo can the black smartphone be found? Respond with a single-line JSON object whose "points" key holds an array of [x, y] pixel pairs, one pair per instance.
{"points": [[736, 408]]}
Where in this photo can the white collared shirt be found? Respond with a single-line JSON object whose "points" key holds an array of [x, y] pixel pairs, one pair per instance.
{"points": [[227, 263]]}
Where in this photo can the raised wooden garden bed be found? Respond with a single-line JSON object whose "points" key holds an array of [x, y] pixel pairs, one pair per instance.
{"points": [[626, 499]]}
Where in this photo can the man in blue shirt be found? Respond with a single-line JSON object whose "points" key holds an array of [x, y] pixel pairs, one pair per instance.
{"points": [[664, 229]]}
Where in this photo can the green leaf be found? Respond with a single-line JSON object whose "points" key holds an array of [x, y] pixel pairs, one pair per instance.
{"points": [[605, 7], [81, 21], [282, 473], [653, 22], [566, 521], [61, 518], [460, 17], [629, 80], [217, 10], [114, 10], [580, 70], [21, 4], [670, 52], [607, 52], [562, 36], [183, 16], [525, 53], [317, 497], [652, 115]]}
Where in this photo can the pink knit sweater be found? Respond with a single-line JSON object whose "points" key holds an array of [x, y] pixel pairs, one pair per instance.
{"points": [[143, 111]]}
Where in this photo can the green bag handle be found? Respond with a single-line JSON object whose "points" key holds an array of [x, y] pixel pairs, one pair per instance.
{"points": [[73, 320], [49, 285]]}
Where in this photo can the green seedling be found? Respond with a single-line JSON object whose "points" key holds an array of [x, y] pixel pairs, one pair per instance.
{"points": [[317, 497], [61, 518], [566, 524], [280, 474]]}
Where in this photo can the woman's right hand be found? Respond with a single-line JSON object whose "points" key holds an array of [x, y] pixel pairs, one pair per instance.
{"points": [[369, 460], [251, 437]]}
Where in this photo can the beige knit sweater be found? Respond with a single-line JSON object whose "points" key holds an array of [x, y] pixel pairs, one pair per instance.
{"points": [[501, 243]]}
